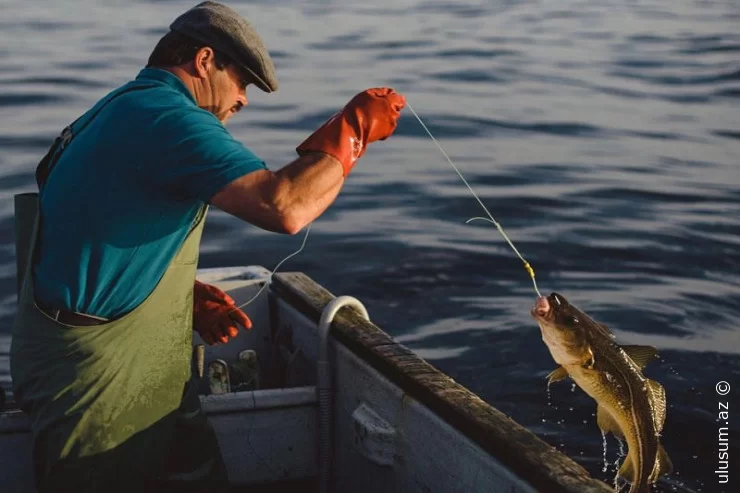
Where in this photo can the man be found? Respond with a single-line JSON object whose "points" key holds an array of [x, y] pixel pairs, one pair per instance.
{"points": [[102, 340]]}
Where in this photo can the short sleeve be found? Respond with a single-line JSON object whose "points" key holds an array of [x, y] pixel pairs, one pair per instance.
{"points": [[197, 155]]}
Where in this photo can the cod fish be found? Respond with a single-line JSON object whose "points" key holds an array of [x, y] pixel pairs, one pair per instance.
{"points": [[628, 405]]}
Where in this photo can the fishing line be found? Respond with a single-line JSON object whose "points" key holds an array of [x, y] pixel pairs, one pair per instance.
{"points": [[528, 267], [490, 219], [269, 278]]}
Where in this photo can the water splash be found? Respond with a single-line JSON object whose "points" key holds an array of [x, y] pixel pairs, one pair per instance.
{"points": [[620, 455], [621, 447], [619, 483], [603, 456], [617, 487]]}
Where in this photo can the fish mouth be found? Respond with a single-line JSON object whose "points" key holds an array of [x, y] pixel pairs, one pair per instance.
{"points": [[542, 309]]}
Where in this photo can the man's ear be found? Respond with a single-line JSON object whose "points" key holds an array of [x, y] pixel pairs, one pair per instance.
{"points": [[204, 58]]}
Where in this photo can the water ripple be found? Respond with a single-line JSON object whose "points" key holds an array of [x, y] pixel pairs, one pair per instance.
{"points": [[730, 134], [76, 82], [86, 65], [35, 143], [477, 76], [673, 80], [31, 99], [602, 136]]}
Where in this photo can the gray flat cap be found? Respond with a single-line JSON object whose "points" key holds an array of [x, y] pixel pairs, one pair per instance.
{"points": [[221, 28]]}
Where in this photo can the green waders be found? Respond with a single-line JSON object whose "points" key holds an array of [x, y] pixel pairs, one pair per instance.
{"points": [[111, 405]]}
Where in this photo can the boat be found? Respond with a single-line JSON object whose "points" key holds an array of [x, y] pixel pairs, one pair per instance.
{"points": [[316, 397]]}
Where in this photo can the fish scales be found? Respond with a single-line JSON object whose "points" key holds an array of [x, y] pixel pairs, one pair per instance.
{"points": [[629, 405]]}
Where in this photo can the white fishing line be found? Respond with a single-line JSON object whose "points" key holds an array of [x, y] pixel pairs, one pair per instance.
{"points": [[269, 278], [490, 218]]}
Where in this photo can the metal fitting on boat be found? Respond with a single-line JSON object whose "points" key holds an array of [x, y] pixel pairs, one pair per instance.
{"points": [[323, 384]]}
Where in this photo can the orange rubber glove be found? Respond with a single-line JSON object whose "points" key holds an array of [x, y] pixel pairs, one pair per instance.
{"points": [[215, 314], [369, 116]]}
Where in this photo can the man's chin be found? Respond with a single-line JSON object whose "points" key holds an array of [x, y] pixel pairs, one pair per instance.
{"points": [[223, 117], [226, 115]]}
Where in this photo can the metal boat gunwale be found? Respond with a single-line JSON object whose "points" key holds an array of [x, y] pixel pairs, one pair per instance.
{"points": [[517, 448]]}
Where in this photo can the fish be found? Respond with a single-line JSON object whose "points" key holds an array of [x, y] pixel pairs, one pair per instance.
{"points": [[628, 405]]}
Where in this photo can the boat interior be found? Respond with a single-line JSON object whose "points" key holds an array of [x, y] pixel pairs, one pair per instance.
{"points": [[297, 408]]}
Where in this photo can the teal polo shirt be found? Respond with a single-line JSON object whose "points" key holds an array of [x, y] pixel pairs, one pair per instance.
{"points": [[125, 192]]}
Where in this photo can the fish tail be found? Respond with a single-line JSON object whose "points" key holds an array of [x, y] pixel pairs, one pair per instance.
{"points": [[627, 470], [633, 474], [643, 488], [663, 465]]}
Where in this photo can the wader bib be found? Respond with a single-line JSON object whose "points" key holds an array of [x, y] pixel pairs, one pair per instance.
{"points": [[111, 405]]}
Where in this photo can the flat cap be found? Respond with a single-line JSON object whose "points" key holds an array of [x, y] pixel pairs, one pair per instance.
{"points": [[221, 28]]}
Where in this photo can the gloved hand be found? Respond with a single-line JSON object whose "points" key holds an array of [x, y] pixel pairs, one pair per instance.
{"points": [[369, 116], [215, 314]]}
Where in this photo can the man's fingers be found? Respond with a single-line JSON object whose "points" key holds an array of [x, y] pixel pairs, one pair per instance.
{"points": [[213, 293], [241, 318], [229, 328], [207, 338], [222, 330]]}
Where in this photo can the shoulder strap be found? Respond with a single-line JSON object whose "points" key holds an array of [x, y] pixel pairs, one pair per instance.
{"points": [[49, 161]]}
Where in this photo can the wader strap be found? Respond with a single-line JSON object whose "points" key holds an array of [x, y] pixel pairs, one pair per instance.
{"points": [[49, 161]]}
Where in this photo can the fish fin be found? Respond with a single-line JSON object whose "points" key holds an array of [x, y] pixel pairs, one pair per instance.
{"points": [[556, 375], [627, 470], [663, 465], [642, 355], [607, 423], [656, 396]]}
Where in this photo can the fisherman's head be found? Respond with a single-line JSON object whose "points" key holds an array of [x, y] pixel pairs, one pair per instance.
{"points": [[217, 54]]}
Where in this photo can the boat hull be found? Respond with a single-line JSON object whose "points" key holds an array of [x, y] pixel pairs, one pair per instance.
{"points": [[396, 422]]}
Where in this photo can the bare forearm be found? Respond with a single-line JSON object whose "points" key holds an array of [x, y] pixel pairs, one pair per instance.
{"points": [[285, 201], [300, 192], [306, 187]]}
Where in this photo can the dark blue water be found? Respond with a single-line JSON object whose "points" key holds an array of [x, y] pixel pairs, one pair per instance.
{"points": [[604, 136]]}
